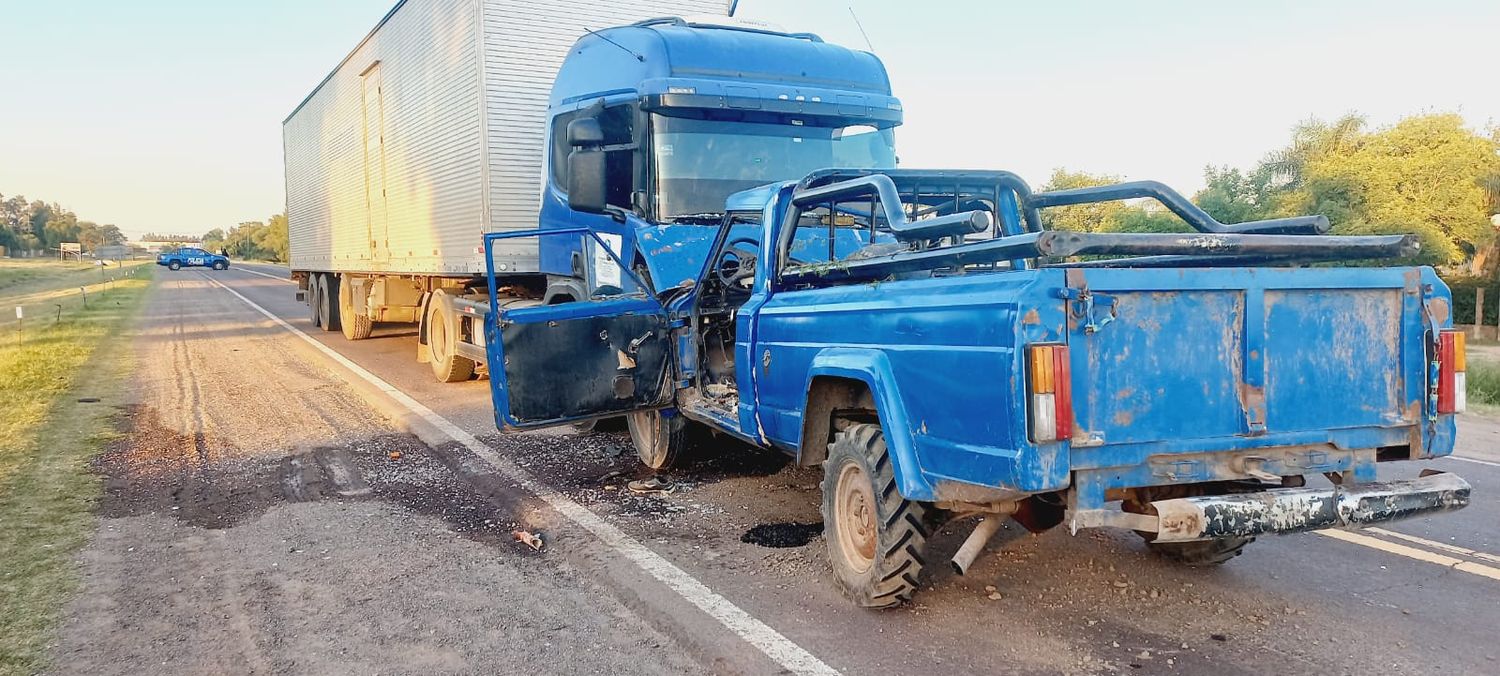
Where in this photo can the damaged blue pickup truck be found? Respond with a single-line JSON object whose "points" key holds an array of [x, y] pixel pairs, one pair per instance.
{"points": [[923, 338]]}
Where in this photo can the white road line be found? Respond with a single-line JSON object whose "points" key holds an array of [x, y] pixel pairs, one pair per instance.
{"points": [[1452, 549], [782, 650], [1476, 461], [279, 279], [1413, 553]]}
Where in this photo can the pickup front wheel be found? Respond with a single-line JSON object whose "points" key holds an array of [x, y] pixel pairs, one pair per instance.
{"points": [[659, 438], [875, 536]]}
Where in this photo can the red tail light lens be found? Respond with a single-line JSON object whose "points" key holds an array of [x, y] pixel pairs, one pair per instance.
{"points": [[1051, 390], [1452, 363]]}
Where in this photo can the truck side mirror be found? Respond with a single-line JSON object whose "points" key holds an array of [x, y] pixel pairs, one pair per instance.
{"points": [[585, 131], [587, 169], [586, 181]]}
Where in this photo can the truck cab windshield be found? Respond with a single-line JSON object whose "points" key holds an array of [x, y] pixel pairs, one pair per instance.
{"points": [[699, 163]]}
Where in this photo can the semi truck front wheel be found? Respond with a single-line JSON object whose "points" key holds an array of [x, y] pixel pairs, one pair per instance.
{"points": [[442, 341], [875, 537]]}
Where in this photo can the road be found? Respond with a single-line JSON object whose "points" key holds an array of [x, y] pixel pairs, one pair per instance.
{"points": [[256, 521]]}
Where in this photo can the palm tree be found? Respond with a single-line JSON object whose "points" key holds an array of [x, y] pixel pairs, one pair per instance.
{"points": [[1311, 139]]}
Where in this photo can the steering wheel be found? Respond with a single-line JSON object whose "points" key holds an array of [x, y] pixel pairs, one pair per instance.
{"points": [[736, 264]]}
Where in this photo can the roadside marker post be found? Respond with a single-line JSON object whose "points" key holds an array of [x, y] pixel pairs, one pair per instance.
{"points": [[20, 318]]}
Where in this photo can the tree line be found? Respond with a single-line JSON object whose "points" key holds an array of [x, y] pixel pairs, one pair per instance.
{"points": [[258, 240], [35, 225], [1428, 175]]}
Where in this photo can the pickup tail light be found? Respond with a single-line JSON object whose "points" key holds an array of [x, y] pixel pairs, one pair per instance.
{"points": [[1452, 396], [1051, 389]]}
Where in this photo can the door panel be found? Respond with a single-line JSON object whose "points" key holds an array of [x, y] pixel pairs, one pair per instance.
{"points": [[560, 363]]}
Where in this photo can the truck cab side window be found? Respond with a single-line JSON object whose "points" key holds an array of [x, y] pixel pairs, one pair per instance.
{"points": [[618, 124]]}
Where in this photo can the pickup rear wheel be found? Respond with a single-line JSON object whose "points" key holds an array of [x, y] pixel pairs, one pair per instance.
{"points": [[1201, 554], [659, 439], [875, 536]]}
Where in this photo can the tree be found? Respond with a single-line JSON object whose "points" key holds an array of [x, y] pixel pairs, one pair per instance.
{"points": [[1098, 217], [1425, 175], [214, 239]]}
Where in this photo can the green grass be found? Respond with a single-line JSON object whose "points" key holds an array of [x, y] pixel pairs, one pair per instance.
{"points": [[1483, 379], [47, 440], [27, 277]]}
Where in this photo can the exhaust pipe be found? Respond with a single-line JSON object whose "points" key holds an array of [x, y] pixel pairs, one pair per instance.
{"points": [[972, 546]]}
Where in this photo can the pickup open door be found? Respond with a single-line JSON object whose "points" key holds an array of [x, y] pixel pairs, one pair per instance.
{"points": [[555, 364]]}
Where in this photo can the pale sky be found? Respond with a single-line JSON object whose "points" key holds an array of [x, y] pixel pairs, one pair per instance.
{"points": [[165, 116]]}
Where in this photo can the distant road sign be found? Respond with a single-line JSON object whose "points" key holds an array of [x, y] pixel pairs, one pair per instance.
{"points": [[71, 247]]}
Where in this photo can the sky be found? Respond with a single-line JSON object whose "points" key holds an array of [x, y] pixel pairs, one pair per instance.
{"points": [[165, 115]]}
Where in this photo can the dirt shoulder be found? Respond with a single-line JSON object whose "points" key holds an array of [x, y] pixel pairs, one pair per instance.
{"points": [[259, 518]]}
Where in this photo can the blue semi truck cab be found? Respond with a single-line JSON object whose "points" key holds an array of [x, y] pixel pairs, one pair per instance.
{"points": [[683, 114], [722, 207]]}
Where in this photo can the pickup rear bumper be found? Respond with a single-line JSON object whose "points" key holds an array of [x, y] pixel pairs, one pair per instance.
{"points": [[1290, 510]]}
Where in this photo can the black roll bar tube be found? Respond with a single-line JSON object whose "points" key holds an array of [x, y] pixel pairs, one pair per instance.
{"points": [[1174, 201]]}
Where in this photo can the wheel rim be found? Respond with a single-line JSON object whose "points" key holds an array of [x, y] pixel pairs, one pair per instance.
{"points": [[854, 504]]}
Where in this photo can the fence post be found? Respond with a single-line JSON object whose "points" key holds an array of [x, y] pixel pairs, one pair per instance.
{"points": [[1478, 311]]}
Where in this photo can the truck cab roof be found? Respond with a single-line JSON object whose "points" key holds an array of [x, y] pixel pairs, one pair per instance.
{"points": [[677, 63]]}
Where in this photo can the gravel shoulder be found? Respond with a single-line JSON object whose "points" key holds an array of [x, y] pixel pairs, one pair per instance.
{"points": [[259, 518]]}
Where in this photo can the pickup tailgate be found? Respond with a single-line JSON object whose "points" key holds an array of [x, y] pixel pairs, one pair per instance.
{"points": [[1199, 354]]}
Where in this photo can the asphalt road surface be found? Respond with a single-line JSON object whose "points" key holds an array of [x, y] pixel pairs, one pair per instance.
{"points": [[290, 502]]}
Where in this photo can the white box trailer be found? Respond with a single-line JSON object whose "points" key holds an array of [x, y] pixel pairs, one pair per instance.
{"points": [[428, 135]]}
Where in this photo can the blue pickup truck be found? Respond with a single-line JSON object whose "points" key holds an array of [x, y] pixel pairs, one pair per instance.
{"points": [[940, 353], [192, 257]]}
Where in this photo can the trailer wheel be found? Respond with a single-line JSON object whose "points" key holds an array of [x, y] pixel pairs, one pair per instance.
{"points": [[356, 326], [659, 439], [174, 265], [875, 536], [442, 342], [328, 309], [311, 295]]}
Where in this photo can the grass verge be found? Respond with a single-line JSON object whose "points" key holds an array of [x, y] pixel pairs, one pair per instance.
{"points": [[1483, 383], [47, 439]]}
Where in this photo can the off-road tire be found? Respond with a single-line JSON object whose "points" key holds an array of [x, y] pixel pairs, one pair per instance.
{"points": [[442, 343], [875, 566], [660, 440], [174, 265], [311, 294], [328, 307], [354, 325], [1201, 554]]}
